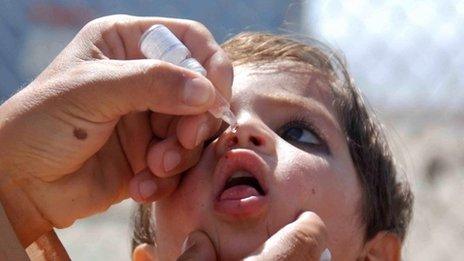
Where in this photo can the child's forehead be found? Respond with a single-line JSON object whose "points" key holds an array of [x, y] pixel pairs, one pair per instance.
{"points": [[281, 78]]}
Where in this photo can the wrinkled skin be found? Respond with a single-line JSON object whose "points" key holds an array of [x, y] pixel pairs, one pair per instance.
{"points": [[75, 140]]}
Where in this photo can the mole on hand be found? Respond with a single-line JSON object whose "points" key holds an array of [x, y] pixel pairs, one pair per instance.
{"points": [[80, 134]]}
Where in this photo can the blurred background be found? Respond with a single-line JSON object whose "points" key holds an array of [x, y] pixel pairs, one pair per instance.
{"points": [[406, 57]]}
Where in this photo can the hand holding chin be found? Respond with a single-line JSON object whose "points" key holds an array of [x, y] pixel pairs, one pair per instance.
{"points": [[303, 239]]}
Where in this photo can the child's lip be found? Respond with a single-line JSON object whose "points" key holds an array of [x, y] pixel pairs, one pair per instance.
{"points": [[240, 207]]}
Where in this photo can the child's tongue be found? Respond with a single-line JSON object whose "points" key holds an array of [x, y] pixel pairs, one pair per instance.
{"points": [[238, 192]]}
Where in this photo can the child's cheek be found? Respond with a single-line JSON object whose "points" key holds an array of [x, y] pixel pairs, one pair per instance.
{"points": [[192, 195], [302, 179]]}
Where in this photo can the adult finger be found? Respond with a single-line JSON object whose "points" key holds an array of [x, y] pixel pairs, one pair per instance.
{"points": [[163, 125], [137, 85], [146, 187], [168, 157], [193, 130], [197, 246], [304, 239], [118, 37], [135, 134]]}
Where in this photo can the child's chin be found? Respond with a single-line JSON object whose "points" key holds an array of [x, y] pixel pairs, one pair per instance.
{"points": [[236, 252], [238, 245]]}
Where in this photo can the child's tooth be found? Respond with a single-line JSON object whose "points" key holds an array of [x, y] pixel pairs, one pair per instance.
{"points": [[239, 174]]}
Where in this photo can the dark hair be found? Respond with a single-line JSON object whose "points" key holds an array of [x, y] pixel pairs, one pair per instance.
{"points": [[386, 203]]}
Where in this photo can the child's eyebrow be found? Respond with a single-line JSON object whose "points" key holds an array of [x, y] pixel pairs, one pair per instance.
{"points": [[316, 108]]}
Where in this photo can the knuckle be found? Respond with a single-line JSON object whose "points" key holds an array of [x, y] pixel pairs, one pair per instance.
{"points": [[149, 74], [312, 218], [315, 224], [91, 24], [222, 72], [118, 20], [95, 23], [118, 17], [105, 22], [309, 235], [196, 25], [156, 68], [224, 64], [199, 27], [158, 71], [303, 238], [307, 243]]}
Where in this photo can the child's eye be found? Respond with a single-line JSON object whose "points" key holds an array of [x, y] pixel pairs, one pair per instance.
{"points": [[299, 134], [302, 135]]}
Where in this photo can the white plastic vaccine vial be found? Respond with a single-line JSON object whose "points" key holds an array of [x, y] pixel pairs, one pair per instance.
{"points": [[158, 42]]}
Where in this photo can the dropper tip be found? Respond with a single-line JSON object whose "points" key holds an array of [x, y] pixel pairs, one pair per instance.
{"points": [[229, 117]]}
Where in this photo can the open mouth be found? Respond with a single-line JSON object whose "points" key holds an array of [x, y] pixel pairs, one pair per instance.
{"points": [[241, 185], [241, 189]]}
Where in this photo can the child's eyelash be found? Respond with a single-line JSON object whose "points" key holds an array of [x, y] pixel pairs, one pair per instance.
{"points": [[307, 124], [299, 120]]}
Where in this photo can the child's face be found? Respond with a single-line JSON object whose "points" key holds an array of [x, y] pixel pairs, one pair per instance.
{"points": [[288, 139]]}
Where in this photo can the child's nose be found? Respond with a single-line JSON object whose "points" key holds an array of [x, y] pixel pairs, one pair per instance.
{"points": [[250, 133]]}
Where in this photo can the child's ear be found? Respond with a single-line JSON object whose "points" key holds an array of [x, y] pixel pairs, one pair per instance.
{"points": [[144, 252], [385, 246]]}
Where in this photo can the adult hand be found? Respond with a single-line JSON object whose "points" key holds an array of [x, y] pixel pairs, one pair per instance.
{"points": [[73, 139], [304, 239]]}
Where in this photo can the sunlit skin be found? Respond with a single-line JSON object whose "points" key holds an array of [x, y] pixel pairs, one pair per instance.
{"points": [[307, 168]]}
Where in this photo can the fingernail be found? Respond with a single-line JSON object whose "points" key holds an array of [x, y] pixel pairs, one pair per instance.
{"points": [[197, 91], [171, 159], [201, 133], [188, 243], [147, 188]]}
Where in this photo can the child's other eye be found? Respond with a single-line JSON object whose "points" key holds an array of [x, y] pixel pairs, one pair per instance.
{"points": [[302, 135]]}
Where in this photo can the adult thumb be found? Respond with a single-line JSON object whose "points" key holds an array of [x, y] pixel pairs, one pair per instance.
{"points": [[197, 246], [304, 239], [112, 88]]}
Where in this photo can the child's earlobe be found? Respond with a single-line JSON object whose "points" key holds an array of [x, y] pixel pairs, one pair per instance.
{"points": [[144, 252], [385, 246]]}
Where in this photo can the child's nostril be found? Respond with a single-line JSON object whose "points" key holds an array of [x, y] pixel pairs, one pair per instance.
{"points": [[232, 142], [255, 141]]}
